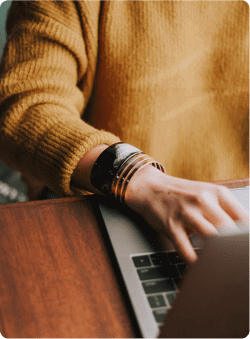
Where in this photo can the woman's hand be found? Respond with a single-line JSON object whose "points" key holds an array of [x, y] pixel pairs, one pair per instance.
{"points": [[177, 207]]}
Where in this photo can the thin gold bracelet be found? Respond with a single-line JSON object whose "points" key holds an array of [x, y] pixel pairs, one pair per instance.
{"points": [[139, 166], [122, 173], [127, 170]]}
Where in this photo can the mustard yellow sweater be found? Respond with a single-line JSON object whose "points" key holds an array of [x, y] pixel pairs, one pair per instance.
{"points": [[169, 77]]}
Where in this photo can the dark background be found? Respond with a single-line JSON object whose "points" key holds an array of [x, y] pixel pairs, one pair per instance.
{"points": [[12, 188]]}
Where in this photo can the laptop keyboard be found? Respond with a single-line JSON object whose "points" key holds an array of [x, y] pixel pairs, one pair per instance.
{"points": [[160, 275]]}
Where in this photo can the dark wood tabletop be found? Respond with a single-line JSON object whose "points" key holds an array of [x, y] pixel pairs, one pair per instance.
{"points": [[56, 278], [56, 275]]}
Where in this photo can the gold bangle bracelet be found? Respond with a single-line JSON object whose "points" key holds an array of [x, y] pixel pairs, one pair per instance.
{"points": [[127, 170], [127, 175], [139, 166], [121, 193], [123, 171]]}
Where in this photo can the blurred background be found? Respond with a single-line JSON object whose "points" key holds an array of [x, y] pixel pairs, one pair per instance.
{"points": [[12, 188]]}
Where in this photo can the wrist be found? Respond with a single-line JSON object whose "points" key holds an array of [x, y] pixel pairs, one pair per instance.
{"points": [[143, 182]]}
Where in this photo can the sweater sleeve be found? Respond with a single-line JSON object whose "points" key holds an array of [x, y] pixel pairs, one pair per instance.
{"points": [[41, 130]]}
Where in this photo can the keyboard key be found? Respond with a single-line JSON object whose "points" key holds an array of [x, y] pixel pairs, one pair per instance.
{"points": [[159, 286], [156, 272], [171, 297], [172, 271], [156, 301], [152, 273], [178, 281], [160, 315], [174, 258], [182, 269], [141, 261], [160, 259]]}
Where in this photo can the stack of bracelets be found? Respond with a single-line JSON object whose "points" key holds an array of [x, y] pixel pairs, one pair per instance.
{"points": [[115, 167]]}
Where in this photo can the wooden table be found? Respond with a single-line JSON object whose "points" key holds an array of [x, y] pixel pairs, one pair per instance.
{"points": [[56, 275]]}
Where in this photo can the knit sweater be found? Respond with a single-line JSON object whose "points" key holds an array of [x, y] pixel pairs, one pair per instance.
{"points": [[169, 77]]}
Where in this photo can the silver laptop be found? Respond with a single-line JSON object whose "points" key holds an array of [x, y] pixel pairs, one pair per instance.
{"points": [[155, 276]]}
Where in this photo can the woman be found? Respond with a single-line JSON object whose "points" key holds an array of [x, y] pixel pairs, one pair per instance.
{"points": [[169, 78]]}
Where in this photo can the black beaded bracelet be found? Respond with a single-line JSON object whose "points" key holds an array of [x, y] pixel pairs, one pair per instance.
{"points": [[108, 164]]}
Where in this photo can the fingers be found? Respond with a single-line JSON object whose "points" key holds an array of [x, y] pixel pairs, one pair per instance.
{"points": [[216, 221], [212, 220], [231, 205], [197, 223], [182, 243], [219, 222], [220, 218]]}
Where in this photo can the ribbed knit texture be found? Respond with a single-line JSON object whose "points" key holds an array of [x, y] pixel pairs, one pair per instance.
{"points": [[169, 77]]}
